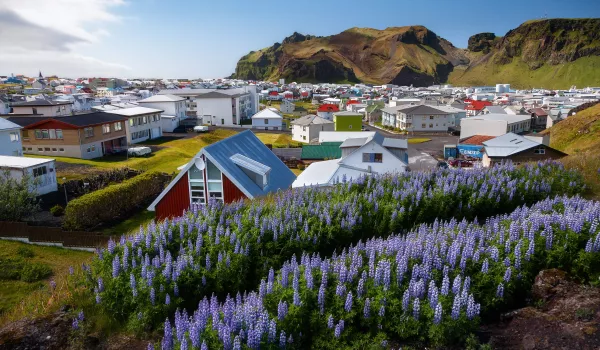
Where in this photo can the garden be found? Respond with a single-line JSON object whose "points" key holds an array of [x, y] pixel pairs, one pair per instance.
{"points": [[416, 260]]}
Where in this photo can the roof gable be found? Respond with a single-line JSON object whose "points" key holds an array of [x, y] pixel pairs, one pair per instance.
{"points": [[8, 125]]}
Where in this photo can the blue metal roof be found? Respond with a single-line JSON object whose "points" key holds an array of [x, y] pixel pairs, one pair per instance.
{"points": [[250, 164], [246, 144]]}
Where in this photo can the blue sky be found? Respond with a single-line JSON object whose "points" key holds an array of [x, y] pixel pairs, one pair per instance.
{"points": [[204, 39]]}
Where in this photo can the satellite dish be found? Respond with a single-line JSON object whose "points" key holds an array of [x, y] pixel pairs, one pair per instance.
{"points": [[199, 163]]}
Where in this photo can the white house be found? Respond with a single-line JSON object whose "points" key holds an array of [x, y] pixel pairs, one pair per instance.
{"points": [[45, 107], [143, 123], [4, 104], [307, 128], [361, 156], [173, 106], [105, 92], [267, 119], [287, 107], [10, 138], [419, 118], [42, 170], [494, 125]]}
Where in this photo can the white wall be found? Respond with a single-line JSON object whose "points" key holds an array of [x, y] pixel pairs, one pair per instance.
{"points": [[47, 183], [150, 125], [270, 123], [71, 151], [47, 111], [8, 147], [438, 123], [326, 115], [389, 164], [217, 109], [474, 126], [306, 133]]}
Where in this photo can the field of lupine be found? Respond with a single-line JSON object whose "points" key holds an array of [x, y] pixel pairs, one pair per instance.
{"points": [[343, 276]]}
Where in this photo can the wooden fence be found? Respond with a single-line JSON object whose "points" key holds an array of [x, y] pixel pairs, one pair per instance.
{"points": [[52, 235]]}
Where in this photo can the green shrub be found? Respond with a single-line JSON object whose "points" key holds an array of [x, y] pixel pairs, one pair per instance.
{"points": [[57, 210], [301, 166], [32, 272], [112, 202], [11, 269], [25, 252]]}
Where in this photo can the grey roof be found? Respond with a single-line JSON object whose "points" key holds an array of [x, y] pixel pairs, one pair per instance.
{"points": [[378, 138], [162, 98], [357, 142], [510, 118], [41, 103], [311, 119], [395, 143], [205, 93], [507, 145], [8, 125], [395, 109], [495, 109], [346, 113], [424, 109], [79, 120]]}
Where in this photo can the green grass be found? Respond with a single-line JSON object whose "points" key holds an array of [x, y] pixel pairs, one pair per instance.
{"points": [[18, 298], [581, 72], [418, 140], [131, 224]]}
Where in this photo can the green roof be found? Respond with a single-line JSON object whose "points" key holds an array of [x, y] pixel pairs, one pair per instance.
{"points": [[326, 150]]}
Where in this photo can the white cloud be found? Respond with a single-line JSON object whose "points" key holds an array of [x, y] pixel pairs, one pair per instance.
{"points": [[48, 35]]}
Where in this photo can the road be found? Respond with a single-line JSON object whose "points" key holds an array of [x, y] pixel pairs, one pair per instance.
{"points": [[421, 156]]}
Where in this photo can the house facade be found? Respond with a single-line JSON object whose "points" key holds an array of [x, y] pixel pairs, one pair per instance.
{"points": [[142, 123], [326, 111], [518, 149], [41, 170], [267, 119], [307, 128], [10, 138], [287, 107], [422, 118], [84, 136], [230, 170], [173, 107], [44, 107], [494, 125], [347, 121]]}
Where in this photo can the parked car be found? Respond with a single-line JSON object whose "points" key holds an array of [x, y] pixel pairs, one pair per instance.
{"points": [[460, 163], [442, 165], [139, 151], [201, 128]]}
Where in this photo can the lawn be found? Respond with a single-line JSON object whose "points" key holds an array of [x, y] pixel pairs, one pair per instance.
{"points": [[131, 224], [16, 297], [278, 140], [418, 140]]}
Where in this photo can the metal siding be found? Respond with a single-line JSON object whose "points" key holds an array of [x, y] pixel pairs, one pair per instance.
{"points": [[230, 191], [175, 201]]}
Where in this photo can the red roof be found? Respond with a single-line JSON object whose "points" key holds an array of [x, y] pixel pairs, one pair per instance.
{"points": [[539, 112], [476, 105], [273, 93], [476, 140], [304, 93], [329, 108], [352, 102]]}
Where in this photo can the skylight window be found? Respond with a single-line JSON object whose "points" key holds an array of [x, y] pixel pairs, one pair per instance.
{"points": [[256, 171]]}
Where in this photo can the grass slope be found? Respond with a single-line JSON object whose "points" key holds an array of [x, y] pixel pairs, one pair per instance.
{"points": [[583, 72], [579, 136], [18, 297]]}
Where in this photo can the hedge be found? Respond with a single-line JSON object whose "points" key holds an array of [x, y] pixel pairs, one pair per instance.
{"points": [[112, 202]]}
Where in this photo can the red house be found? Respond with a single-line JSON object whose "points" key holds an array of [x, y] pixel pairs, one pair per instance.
{"points": [[236, 168]]}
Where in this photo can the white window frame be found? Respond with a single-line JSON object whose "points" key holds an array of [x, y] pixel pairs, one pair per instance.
{"points": [[209, 181], [14, 136], [198, 182]]}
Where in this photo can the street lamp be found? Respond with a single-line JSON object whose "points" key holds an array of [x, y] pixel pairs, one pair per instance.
{"points": [[65, 187]]}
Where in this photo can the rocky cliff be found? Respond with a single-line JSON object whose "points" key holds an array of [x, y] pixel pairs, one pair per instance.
{"points": [[544, 52]]}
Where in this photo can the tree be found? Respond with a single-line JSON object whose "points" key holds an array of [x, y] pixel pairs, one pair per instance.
{"points": [[17, 199]]}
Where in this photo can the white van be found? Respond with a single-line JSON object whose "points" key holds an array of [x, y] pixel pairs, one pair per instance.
{"points": [[201, 128], [139, 151]]}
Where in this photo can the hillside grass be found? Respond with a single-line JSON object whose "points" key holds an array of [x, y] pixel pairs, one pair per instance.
{"points": [[18, 298], [171, 155], [586, 70]]}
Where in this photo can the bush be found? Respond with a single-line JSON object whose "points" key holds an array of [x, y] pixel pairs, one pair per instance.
{"points": [[17, 201], [25, 252], [112, 202], [77, 188], [57, 210], [301, 166], [32, 272]]}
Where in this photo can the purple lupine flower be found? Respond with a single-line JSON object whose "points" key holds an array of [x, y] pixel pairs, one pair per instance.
{"points": [[167, 342], [500, 291], [507, 274], [367, 308], [381, 312], [237, 343], [296, 300], [456, 307], [150, 346], [456, 284], [437, 316], [100, 285], [416, 308], [203, 346], [98, 298], [116, 266], [282, 310], [338, 330], [348, 304], [445, 285], [330, 322], [81, 316], [75, 324], [152, 295], [405, 300], [282, 339], [71, 270], [485, 266], [52, 285], [167, 299]]}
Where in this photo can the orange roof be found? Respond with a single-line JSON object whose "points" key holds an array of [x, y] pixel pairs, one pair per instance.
{"points": [[476, 140]]}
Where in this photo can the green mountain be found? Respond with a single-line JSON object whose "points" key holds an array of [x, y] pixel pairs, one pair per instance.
{"points": [[550, 53]]}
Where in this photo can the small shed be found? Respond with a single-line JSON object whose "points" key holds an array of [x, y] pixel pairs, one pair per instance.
{"points": [[42, 170]]}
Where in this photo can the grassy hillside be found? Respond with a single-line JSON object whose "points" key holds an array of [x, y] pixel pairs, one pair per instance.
{"points": [[579, 136]]}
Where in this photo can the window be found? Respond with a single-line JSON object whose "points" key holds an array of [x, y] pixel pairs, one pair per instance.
{"points": [[118, 126], [89, 132], [54, 150], [266, 121], [430, 117], [58, 110], [30, 149], [350, 126], [93, 148], [25, 134], [39, 171], [52, 133], [59, 134], [372, 157], [145, 120], [214, 182], [88, 150], [105, 128], [423, 125], [431, 125], [46, 149], [61, 149], [14, 136], [304, 128], [45, 134], [131, 121], [304, 137], [196, 185], [40, 149], [222, 121], [33, 110], [539, 150]]}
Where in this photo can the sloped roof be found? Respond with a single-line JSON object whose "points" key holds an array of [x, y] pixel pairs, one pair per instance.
{"points": [[267, 113], [496, 109], [347, 114], [8, 125], [162, 98], [328, 108], [78, 120], [424, 109], [539, 112], [508, 144], [41, 103], [330, 150], [476, 140], [311, 119], [134, 111]]}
